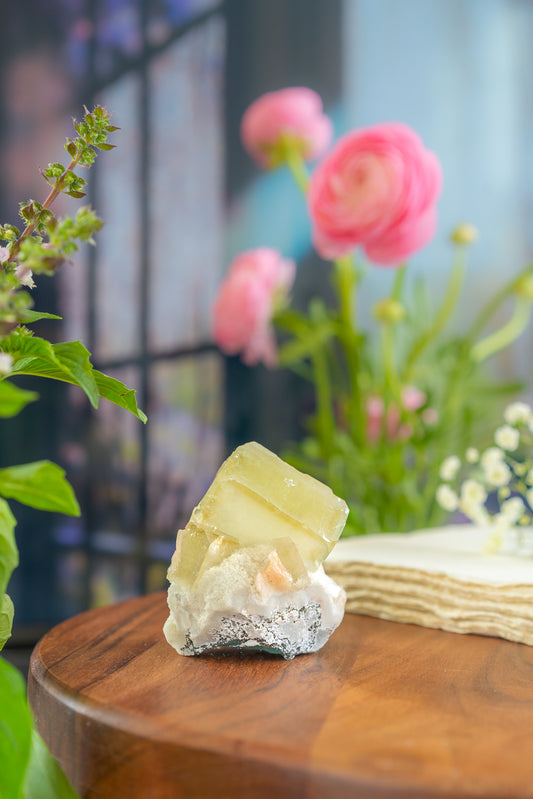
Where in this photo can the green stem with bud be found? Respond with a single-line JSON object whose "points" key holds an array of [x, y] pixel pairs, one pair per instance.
{"points": [[506, 334], [52, 196], [488, 311], [392, 385]]}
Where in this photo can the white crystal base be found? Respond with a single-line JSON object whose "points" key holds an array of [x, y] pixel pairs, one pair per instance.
{"points": [[225, 611]]}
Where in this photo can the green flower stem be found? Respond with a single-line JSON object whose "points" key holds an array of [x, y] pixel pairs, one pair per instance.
{"points": [[506, 334], [297, 168], [399, 279], [443, 314], [387, 338], [346, 282], [389, 366], [494, 303], [324, 409], [52, 196]]}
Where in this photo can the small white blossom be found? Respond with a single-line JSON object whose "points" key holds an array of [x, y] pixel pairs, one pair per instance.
{"points": [[472, 455], [507, 437], [474, 510], [498, 474], [491, 455], [6, 363], [512, 509], [472, 491], [449, 467], [25, 276], [447, 498], [517, 412]]}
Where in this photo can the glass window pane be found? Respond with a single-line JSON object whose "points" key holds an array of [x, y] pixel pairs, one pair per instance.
{"points": [[166, 16], [113, 514], [186, 186], [118, 34], [113, 579], [118, 245], [185, 440]]}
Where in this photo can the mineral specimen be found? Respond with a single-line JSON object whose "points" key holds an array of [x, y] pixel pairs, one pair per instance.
{"points": [[247, 571]]}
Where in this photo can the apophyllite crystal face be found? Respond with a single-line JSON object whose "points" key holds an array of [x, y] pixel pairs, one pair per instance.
{"points": [[247, 568]]}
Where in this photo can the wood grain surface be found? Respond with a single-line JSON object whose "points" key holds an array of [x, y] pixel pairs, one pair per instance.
{"points": [[383, 710]]}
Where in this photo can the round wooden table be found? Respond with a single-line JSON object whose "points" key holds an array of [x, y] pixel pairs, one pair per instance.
{"points": [[383, 710]]}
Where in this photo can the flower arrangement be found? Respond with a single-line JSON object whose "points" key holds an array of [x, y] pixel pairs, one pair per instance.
{"points": [[384, 415], [494, 488], [27, 768]]}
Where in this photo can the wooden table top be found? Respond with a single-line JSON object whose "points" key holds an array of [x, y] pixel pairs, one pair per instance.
{"points": [[383, 710]]}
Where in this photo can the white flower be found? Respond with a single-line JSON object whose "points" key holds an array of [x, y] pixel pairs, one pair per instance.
{"points": [[491, 455], [529, 497], [25, 276], [473, 495], [449, 467], [498, 473], [472, 455], [517, 412], [507, 437], [512, 509], [474, 510], [473, 492], [447, 498], [6, 363]]}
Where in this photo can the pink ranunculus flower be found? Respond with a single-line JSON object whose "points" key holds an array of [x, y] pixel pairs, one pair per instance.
{"points": [[376, 189], [293, 114], [258, 282]]}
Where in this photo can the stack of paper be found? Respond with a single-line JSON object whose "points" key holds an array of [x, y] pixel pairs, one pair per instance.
{"points": [[438, 578]]}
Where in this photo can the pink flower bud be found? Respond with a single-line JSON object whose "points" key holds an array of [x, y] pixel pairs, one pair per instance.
{"points": [[289, 116], [413, 398], [376, 189], [257, 283]]}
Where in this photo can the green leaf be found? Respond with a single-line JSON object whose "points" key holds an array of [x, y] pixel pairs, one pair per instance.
{"points": [[33, 356], [44, 778], [68, 362], [294, 351], [6, 619], [41, 485], [15, 731], [75, 357], [116, 392], [14, 399], [27, 317], [9, 556]]}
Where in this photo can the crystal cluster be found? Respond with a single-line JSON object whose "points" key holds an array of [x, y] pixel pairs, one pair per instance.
{"points": [[247, 571]]}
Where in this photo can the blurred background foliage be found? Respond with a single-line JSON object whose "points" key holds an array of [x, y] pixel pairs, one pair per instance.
{"points": [[181, 198]]}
